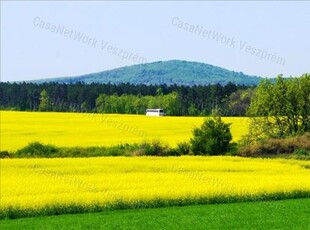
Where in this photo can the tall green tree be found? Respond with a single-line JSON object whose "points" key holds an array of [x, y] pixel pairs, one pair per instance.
{"points": [[44, 101], [281, 108], [239, 101]]}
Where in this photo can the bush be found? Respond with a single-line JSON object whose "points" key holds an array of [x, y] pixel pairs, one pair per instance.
{"points": [[172, 152], [156, 148], [233, 149], [5, 154], [37, 149], [274, 146], [302, 152], [183, 148], [82, 152], [119, 150], [212, 138]]}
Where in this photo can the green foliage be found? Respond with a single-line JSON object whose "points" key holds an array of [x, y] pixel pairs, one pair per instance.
{"points": [[5, 154], [44, 101], [212, 138], [298, 145], [183, 148], [131, 104], [302, 152], [156, 148], [37, 149], [281, 108], [192, 110], [198, 100], [239, 101], [164, 72]]}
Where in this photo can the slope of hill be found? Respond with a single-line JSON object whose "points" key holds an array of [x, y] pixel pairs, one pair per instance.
{"points": [[163, 72]]}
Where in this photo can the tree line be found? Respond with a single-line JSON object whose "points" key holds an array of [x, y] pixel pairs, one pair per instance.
{"points": [[229, 100]]}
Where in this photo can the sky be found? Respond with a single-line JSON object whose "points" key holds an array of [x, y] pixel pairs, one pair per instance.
{"points": [[56, 39]]}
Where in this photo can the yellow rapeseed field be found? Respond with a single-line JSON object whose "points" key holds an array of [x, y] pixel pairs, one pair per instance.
{"points": [[80, 129], [50, 186]]}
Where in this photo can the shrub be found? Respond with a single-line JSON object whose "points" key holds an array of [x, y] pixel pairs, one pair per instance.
{"points": [[5, 154], [119, 150], [156, 148], [183, 148], [82, 152], [212, 138], [302, 152], [233, 149], [273, 146], [37, 149], [172, 152]]}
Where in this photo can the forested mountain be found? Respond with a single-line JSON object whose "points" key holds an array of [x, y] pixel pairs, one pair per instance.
{"points": [[163, 72]]}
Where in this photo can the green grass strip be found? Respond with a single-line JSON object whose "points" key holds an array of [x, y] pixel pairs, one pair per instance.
{"points": [[284, 214]]}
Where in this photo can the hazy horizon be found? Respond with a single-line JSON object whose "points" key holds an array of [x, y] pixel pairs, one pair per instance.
{"points": [[64, 39]]}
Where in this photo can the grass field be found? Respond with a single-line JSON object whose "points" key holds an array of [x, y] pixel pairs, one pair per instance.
{"points": [[33, 187], [288, 214], [77, 129]]}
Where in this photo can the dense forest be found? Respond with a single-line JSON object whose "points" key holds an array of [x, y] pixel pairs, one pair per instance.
{"points": [[163, 72], [228, 100]]}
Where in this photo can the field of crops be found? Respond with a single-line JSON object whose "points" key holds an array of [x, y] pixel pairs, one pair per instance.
{"points": [[34, 187], [31, 187], [77, 129]]}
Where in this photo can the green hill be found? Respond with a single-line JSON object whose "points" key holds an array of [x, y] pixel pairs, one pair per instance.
{"points": [[163, 72]]}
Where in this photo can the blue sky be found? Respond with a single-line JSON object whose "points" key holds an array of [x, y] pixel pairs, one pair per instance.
{"points": [[257, 38]]}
